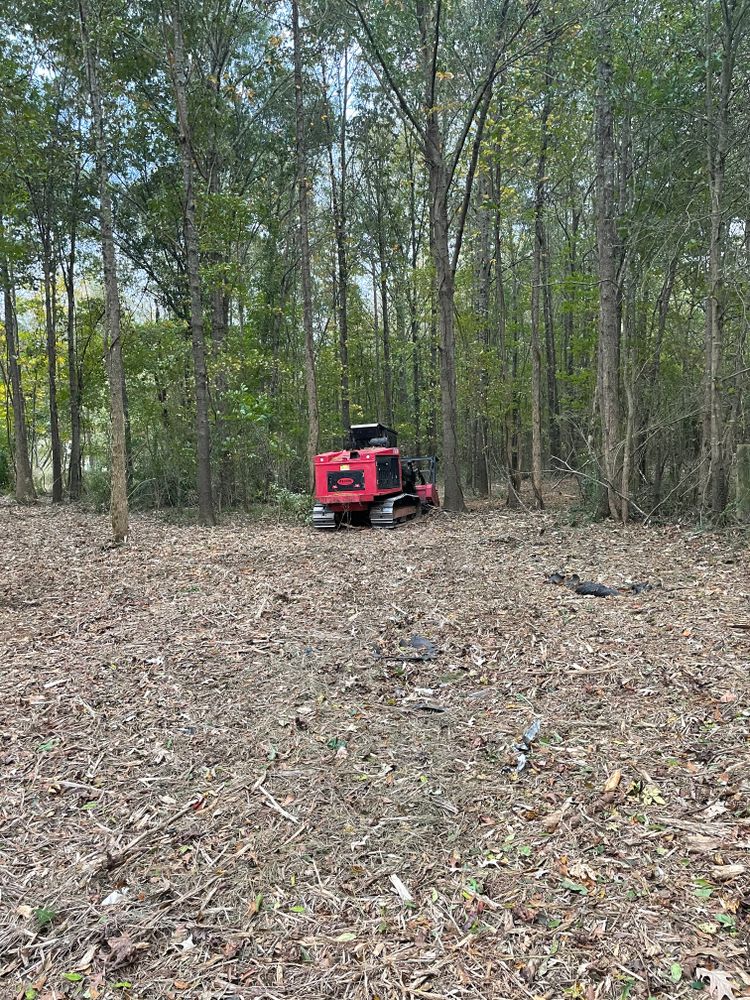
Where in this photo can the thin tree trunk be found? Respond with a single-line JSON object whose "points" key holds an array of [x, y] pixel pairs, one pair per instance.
{"points": [[303, 185], [384, 310], [553, 403], [542, 302], [609, 325], [51, 331], [219, 327], [24, 482], [376, 331], [192, 265], [483, 272], [339, 208], [74, 465], [628, 379], [717, 136], [536, 296], [513, 426], [454, 498], [386, 319], [113, 341]]}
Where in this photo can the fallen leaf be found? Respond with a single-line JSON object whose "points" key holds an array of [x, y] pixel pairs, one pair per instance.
{"points": [[401, 889], [714, 810], [708, 927], [718, 984], [580, 870], [613, 781], [702, 844], [574, 887], [725, 873], [87, 959], [188, 944], [118, 896], [651, 794], [122, 948]]}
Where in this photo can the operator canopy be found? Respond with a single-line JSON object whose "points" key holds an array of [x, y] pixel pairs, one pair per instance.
{"points": [[372, 436]]}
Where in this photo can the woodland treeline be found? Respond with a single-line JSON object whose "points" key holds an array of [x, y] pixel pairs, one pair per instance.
{"points": [[518, 232]]}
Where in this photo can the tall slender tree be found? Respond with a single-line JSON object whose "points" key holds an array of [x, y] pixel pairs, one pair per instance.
{"points": [[303, 193], [24, 482], [112, 318], [172, 21], [608, 388]]}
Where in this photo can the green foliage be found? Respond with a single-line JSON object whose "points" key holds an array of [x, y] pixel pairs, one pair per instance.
{"points": [[44, 916], [6, 471], [242, 143], [289, 505]]}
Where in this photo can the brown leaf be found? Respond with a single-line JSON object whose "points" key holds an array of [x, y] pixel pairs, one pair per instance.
{"points": [[87, 959], [613, 781], [122, 948], [702, 844], [231, 948], [725, 873], [718, 984], [553, 820]]}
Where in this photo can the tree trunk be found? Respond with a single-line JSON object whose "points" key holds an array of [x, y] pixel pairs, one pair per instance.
{"points": [[482, 293], [553, 403], [717, 136], [438, 184], [74, 387], [51, 331], [415, 243], [192, 265], [219, 326], [606, 233], [112, 342], [24, 482], [385, 313], [536, 296], [513, 425], [339, 207], [303, 185], [376, 331], [454, 498]]}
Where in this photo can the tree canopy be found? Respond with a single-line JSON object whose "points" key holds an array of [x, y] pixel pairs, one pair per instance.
{"points": [[518, 232]]}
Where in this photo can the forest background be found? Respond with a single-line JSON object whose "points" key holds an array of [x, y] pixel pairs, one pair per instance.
{"points": [[517, 232]]}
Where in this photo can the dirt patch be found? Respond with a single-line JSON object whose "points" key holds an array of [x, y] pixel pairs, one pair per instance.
{"points": [[229, 770]]}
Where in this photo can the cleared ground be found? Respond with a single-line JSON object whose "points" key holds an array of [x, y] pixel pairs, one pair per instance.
{"points": [[223, 775]]}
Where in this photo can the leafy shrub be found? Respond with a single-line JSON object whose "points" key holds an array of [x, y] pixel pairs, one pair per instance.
{"points": [[289, 505], [6, 477], [96, 490]]}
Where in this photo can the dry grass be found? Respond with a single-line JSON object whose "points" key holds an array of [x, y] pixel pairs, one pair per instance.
{"points": [[200, 723]]}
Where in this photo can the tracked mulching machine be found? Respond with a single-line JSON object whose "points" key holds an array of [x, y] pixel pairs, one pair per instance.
{"points": [[369, 482]]}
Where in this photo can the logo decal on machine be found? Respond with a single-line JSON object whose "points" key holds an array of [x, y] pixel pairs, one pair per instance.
{"points": [[346, 482]]}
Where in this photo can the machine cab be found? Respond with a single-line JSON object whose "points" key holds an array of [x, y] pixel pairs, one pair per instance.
{"points": [[370, 436]]}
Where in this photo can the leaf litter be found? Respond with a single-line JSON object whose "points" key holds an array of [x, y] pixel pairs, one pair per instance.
{"points": [[210, 788]]}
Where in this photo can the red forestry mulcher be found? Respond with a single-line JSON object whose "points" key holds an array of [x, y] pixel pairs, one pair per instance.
{"points": [[369, 482]]}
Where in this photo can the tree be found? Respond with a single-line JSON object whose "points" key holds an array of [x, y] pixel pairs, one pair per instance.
{"points": [[313, 426], [178, 73], [608, 388], [113, 338], [24, 482], [733, 16], [442, 147]]}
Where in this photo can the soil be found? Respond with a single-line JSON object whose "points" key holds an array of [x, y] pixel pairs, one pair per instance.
{"points": [[232, 768]]}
